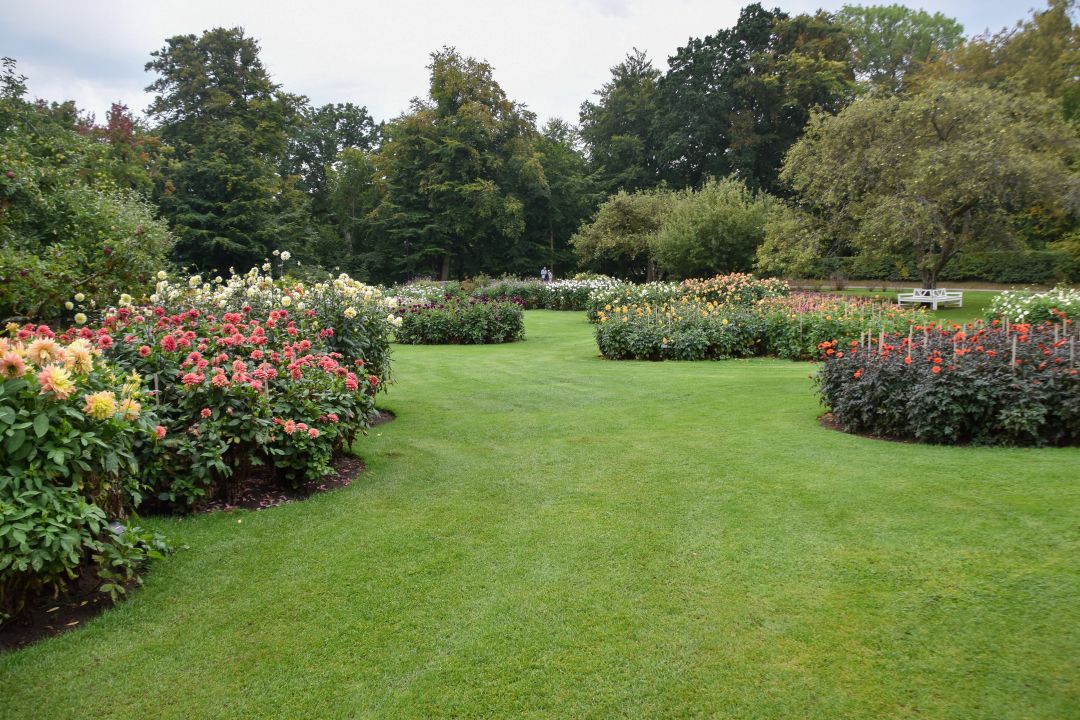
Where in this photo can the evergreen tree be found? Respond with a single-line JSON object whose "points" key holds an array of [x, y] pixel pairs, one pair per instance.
{"points": [[228, 123]]}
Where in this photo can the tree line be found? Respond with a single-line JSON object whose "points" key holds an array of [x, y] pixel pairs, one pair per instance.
{"points": [[772, 144]]}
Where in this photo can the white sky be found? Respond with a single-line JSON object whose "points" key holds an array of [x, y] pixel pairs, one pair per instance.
{"points": [[549, 55]]}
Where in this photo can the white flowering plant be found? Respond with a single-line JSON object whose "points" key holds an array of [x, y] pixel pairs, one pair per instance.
{"points": [[1020, 306]]}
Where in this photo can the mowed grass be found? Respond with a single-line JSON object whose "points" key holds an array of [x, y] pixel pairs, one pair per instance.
{"points": [[542, 533], [976, 303]]}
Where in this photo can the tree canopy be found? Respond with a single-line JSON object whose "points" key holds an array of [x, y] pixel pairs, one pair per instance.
{"points": [[229, 125], [932, 173]]}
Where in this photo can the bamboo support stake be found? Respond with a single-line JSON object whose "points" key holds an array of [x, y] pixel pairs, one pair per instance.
{"points": [[1014, 353]]}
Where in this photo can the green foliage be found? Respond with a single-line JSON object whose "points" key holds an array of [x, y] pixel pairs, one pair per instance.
{"points": [[623, 232], [316, 142], [981, 385], [929, 174], [891, 42], [461, 171], [714, 230], [1040, 56], [735, 101], [229, 124], [68, 223], [457, 320], [71, 440], [618, 127]]}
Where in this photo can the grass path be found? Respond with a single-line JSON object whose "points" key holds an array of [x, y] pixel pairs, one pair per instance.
{"points": [[542, 533]]}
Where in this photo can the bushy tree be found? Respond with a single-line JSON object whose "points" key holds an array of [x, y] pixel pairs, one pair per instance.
{"points": [[67, 226], [1040, 55], [229, 124], [620, 239], [891, 42], [458, 173], [316, 141], [930, 174], [716, 229]]}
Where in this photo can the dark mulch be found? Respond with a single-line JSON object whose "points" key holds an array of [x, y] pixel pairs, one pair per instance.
{"points": [[827, 421], [262, 490], [49, 615]]}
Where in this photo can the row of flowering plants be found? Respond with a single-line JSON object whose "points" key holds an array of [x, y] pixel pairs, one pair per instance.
{"points": [[237, 391], [73, 431], [457, 319], [733, 289], [570, 294], [1015, 384], [1035, 307], [786, 326]]}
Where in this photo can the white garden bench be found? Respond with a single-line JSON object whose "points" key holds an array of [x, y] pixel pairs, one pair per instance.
{"points": [[933, 297]]}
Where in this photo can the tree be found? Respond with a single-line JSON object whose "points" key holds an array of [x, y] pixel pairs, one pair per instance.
{"points": [[66, 225], [891, 42], [459, 170], [1040, 55], [354, 195], [734, 102], [621, 237], [573, 194], [320, 135], [716, 229], [931, 174], [216, 105], [617, 128]]}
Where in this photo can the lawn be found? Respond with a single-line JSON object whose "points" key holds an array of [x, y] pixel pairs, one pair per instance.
{"points": [[976, 303], [542, 533]]}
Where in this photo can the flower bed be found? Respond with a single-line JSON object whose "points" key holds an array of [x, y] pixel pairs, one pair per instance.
{"points": [[740, 289], [237, 391], [1035, 307], [460, 320], [73, 432], [790, 327], [174, 403], [983, 384], [538, 295]]}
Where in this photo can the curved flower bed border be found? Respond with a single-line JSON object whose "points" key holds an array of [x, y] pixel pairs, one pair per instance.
{"points": [[985, 384]]}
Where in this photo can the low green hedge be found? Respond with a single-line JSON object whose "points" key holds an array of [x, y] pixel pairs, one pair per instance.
{"points": [[1004, 266], [461, 321]]}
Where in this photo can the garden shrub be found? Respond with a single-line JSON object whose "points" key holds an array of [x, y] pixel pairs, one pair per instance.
{"points": [[996, 266], [459, 320], [790, 327], [982, 384], [356, 318], [1035, 307], [237, 392], [72, 431], [67, 224]]}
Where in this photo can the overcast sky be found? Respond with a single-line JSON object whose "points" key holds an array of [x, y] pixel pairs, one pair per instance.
{"points": [[548, 55]]}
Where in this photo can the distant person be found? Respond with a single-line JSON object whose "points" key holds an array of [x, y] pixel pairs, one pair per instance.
{"points": [[543, 274]]}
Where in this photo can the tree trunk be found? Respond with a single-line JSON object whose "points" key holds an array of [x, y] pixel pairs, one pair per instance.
{"points": [[650, 271], [444, 275]]}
